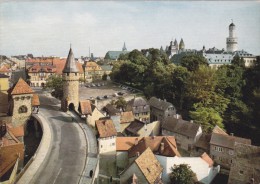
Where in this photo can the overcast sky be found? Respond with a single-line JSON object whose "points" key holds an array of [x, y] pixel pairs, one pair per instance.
{"points": [[47, 28]]}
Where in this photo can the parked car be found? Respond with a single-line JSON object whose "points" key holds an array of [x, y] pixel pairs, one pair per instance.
{"points": [[115, 95], [120, 93], [93, 85]]}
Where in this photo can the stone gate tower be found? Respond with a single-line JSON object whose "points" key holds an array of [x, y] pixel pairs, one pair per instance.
{"points": [[232, 39], [70, 78]]}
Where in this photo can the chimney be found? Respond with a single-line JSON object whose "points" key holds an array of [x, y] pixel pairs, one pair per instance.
{"points": [[162, 147], [136, 141], [231, 134], [191, 121]]}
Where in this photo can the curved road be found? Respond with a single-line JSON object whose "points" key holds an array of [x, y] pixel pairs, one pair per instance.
{"points": [[68, 150]]}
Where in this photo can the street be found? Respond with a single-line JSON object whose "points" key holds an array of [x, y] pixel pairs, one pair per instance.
{"points": [[68, 150]]}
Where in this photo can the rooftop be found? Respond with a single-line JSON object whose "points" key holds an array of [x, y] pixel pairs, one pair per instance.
{"points": [[181, 126], [106, 128], [159, 104], [21, 87]]}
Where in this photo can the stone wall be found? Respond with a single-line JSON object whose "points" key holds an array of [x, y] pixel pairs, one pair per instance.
{"points": [[21, 109], [70, 91]]}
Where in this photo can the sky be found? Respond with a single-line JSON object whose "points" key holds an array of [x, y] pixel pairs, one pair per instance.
{"points": [[46, 28]]}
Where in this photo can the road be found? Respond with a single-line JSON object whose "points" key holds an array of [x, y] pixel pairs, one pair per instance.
{"points": [[68, 150]]}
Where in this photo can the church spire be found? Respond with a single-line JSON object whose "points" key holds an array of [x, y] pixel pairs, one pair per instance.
{"points": [[70, 66], [124, 47]]}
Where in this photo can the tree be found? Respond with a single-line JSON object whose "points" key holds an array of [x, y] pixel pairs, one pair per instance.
{"points": [[193, 61], [55, 84], [104, 77], [182, 174], [238, 61], [120, 103], [208, 118]]}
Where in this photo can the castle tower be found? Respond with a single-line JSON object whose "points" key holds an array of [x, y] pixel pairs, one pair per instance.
{"points": [[20, 102], [182, 45], [124, 47], [232, 39], [70, 78], [176, 45]]}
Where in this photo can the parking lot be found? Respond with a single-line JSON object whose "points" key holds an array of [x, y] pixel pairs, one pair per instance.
{"points": [[104, 92]]}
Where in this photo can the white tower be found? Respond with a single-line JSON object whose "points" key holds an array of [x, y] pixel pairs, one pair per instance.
{"points": [[232, 39]]}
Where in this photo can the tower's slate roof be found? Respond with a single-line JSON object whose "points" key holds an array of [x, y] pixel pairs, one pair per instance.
{"points": [[70, 66]]}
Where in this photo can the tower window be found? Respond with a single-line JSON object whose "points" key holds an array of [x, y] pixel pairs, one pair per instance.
{"points": [[22, 109]]}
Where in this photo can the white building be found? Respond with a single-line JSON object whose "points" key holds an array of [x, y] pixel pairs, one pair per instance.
{"points": [[107, 136], [201, 166]]}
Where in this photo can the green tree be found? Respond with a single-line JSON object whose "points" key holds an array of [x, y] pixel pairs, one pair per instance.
{"points": [[238, 61], [104, 77], [55, 84], [208, 118], [121, 103], [193, 61], [182, 174]]}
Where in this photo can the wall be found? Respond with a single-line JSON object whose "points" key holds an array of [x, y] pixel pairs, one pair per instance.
{"points": [[96, 114], [4, 85], [106, 145], [121, 160], [221, 155]]}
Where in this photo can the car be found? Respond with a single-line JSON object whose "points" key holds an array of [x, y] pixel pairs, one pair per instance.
{"points": [[98, 85], [120, 93], [115, 95], [105, 96], [98, 98], [93, 85]]}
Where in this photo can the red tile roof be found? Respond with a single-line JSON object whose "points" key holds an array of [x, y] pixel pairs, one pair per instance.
{"points": [[106, 128], [4, 69], [125, 143], [127, 117], [207, 159], [85, 107], [21, 87], [16, 131], [162, 145]]}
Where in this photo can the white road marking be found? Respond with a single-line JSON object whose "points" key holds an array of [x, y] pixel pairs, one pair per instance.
{"points": [[57, 176]]}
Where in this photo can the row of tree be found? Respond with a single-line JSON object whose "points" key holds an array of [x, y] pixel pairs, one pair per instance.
{"points": [[227, 96]]}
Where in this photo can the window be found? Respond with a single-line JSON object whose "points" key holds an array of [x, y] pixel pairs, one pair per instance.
{"points": [[241, 172], [22, 109]]}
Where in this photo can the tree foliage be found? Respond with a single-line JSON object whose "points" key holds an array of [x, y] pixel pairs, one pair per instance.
{"points": [[193, 61], [55, 84], [182, 174]]}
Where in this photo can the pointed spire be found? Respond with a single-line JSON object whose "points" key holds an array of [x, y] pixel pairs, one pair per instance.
{"points": [[70, 66], [124, 47]]}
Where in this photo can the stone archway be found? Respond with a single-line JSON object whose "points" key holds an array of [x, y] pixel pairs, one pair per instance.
{"points": [[71, 107]]}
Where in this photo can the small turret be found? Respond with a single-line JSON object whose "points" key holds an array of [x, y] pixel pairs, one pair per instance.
{"points": [[182, 45]]}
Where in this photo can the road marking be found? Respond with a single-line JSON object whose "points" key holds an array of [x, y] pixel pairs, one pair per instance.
{"points": [[57, 176]]}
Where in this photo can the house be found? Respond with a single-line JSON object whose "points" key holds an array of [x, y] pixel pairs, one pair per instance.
{"points": [[146, 169], [202, 145], [90, 112], [202, 166], [222, 148], [140, 109], [40, 69], [11, 152], [92, 71], [128, 147], [246, 166], [125, 119], [111, 110], [139, 128], [160, 109], [186, 133], [5, 71], [106, 136]]}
